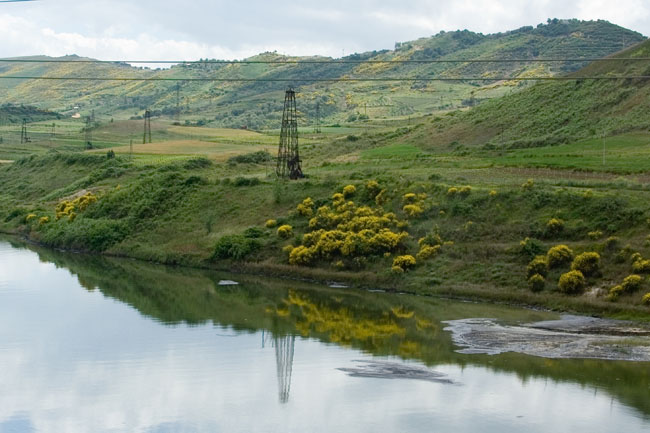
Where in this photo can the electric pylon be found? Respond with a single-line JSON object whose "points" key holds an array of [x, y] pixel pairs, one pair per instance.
{"points": [[317, 128], [284, 347], [89, 133], [178, 102], [288, 164], [147, 127], [23, 133]]}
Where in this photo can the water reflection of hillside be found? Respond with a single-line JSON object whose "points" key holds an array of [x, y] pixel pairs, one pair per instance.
{"points": [[376, 323]]}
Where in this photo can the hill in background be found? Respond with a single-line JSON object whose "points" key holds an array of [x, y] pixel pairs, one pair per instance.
{"points": [[554, 112], [258, 105]]}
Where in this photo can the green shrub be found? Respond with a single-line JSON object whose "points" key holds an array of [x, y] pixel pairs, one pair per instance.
{"points": [[587, 263], [559, 255], [554, 226], [372, 189], [258, 157], [464, 191], [537, 266], [246, 181], [596, 234], [572, 282], [530, 247], [536, 283], [235, 247], [254, 233], [612, 243]]}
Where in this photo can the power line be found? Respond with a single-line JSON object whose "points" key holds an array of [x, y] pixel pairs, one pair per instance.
{"points": [[328, 80], [330, 62]]}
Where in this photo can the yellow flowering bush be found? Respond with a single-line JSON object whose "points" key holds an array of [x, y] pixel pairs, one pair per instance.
{"points": [[646, 299], [536, 283], [285, 231], [559, 255], [381, 198], [30, 217], [596, 234], [452, 192], [70, 208], [372, 189], [427, 252], [306, 208], [270, 224], [587, 263], [493, 193], [572, 282], [464, 191], [412, 210], [405, 262], [301, 255], [44, 220], [349, 190], [409, 197], [631, 283], [554, 226], [614, 293], [641, 266], [528, 185], [538, 265]]}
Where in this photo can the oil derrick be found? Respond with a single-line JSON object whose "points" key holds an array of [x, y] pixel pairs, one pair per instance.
{"points": [[288, 164], [89, 133], [284, 364], [147, 127], [23, 133], [317, 128]]}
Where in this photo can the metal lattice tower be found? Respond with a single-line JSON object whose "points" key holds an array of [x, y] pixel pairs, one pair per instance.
{"points": [[147, 127], [89, 133], [284, 364], [288, 164], [317, 128], [23, 133], [177, 115]]}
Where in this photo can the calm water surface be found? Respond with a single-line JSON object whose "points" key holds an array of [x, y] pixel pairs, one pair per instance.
{"points": [[89, 344]]}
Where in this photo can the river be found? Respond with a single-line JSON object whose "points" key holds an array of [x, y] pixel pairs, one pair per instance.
{"points": [[95, 344]]}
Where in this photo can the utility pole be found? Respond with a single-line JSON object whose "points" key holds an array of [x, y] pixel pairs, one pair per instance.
{"points": [[23, 133], [317, 128], [178, 102], [147, 127], [89, 133]]}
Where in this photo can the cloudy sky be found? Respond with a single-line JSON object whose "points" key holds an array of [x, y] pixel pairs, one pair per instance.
{"points": [[166, 29]]}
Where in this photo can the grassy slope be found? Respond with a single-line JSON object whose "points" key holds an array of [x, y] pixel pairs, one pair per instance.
{"points": [[554, 112], [258, 105]]}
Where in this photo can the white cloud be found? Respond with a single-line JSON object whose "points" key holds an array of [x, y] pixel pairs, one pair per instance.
{"points": [[220, 29]]}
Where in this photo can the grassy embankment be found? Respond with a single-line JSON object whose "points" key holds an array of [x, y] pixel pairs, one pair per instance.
{"points": [[175, 212]]}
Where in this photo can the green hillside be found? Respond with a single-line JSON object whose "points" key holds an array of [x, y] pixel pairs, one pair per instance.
{"points": [[552, 113], [258, 105]]}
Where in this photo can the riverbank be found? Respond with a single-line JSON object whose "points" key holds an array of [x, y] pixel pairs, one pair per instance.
{"points": [[433, 233]]}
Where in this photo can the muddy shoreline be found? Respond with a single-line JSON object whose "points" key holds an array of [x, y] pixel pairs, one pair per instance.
{"points": [[569, 337]]}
